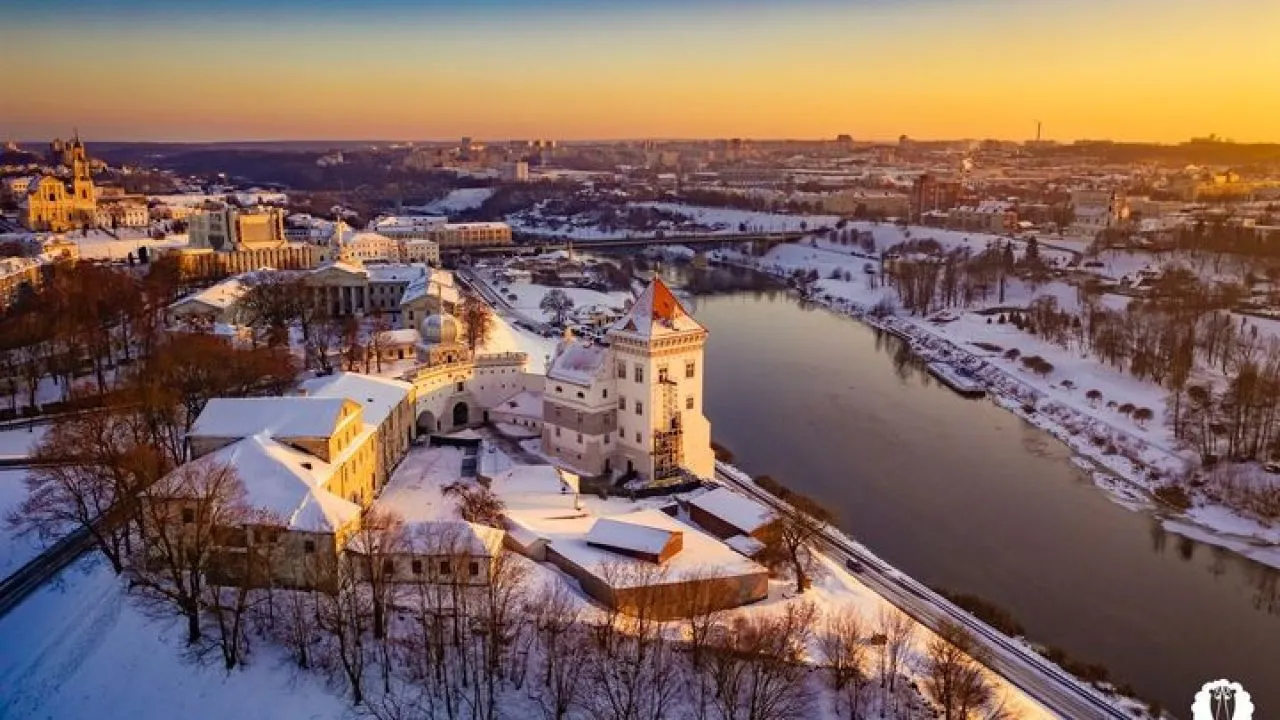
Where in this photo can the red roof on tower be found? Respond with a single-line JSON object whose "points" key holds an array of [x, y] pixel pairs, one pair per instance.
{"points": [[656, 312]]}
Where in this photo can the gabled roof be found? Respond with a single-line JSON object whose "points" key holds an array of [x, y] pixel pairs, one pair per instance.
{"points": [[618, 534], [379, 396], [656, 312], [287, 483], [276, 416], [736, 509]]}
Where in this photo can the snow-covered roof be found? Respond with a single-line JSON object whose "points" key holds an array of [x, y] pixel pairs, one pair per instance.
{"points": [[277, 416], [526, 479], [343, 265], [745, 545], [656, 312], [220, 296], [287, 483], [379, 396], [578, 362], [738, 510], [526, 403], [446, 537], [624, 534], [436, 282], [701, 554], [396, 273], [403, 336]]}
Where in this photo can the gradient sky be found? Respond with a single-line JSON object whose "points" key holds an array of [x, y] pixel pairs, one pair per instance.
{"points": [[570, 69]]}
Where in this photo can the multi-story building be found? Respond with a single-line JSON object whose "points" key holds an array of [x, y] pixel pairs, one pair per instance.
{"points": [[223, 228], [350, 288], [989, 216], [929, 193], [635, 405], [56, 205], [207, 263], [17, 274], [1096, 210], [445, 234], [517, 171]]}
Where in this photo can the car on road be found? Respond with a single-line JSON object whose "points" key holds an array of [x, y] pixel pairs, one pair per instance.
{"points": [[854, 565]]}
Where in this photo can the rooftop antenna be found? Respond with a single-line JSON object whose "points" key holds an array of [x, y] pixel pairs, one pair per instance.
{"points": [[1038, 124]]}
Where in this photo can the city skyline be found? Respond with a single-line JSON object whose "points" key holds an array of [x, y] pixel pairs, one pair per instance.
{"points": [[392, 70]]}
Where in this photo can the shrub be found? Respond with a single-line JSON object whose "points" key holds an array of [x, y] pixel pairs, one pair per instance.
{"points": [[1012, 353], [1174, 495], [993, 615], [1126, 408], [1001, 320]]}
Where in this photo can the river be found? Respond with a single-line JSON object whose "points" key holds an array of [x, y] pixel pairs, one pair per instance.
{"points": [[965, 496]]}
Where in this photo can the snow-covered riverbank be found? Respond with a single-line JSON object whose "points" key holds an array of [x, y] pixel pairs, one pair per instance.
{"points": [[1079, 401]]}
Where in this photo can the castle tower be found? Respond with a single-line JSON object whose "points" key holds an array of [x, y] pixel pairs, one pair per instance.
{"points": [[658, 356]]}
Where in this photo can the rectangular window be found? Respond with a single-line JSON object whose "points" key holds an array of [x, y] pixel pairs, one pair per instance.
{"points": [[639, 372], [459, 386], [188, 515], [416, 566], [389, 566], [639, 408], [309, 546], [444, 568], [622, 403], [622, 369], [605, 393], [637, 437], [579, 438], [662, 373], [557, 432], [474, 567], [689, 369], [688, 403]]}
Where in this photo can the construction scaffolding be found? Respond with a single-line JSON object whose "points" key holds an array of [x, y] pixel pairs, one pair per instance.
{"points": [[668, 452]]}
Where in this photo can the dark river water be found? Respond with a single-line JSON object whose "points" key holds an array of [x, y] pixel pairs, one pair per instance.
{"points": [[965, 496]]}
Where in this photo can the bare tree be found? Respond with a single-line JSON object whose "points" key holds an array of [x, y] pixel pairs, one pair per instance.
{"points": [[379, 337], [954, 677], [758, 667], [843, 643], [558, 304], [88, 471], [791, 542], [557, 616], [477, 504], [477, 319], [342, 617], [897, 631], [189, 515]]}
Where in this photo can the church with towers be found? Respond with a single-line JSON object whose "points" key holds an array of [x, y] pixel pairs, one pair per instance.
{"points": [[626, 407], [55, 204]]}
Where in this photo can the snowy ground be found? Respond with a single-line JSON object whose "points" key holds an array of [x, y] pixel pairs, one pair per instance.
{"points": [[1128, 459], [529, 295], [20, 441], [15, 550], [78, 648], [701, 220], [99, 245], [456, 201]]}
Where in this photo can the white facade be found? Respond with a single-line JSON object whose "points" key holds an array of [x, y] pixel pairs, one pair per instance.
{"points": [[636, 405]]}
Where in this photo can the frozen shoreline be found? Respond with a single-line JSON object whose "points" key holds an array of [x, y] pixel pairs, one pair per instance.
{"points": [[1117, 459]]}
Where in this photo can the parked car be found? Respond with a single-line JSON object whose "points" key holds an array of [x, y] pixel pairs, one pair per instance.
{"points": [[854, 565]]}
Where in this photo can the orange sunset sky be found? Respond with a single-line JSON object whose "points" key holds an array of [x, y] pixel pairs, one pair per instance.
{"points": [[391, 69]]}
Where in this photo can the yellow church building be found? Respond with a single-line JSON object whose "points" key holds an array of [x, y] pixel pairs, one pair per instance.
{"points": [[54, 205]]}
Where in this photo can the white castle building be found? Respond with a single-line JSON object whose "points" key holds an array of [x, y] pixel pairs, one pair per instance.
{"points": [[631, 406]]}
